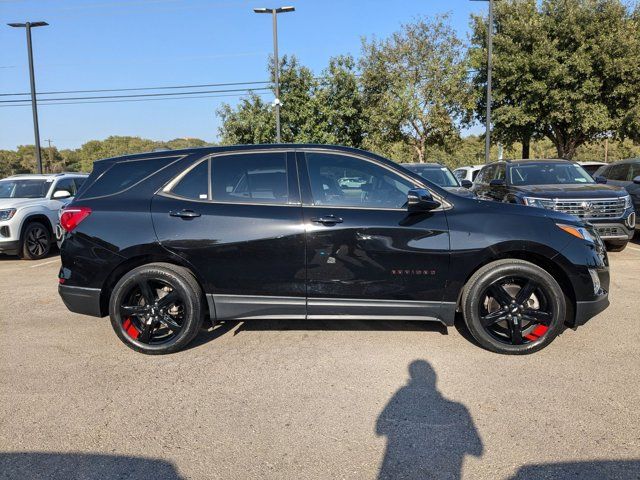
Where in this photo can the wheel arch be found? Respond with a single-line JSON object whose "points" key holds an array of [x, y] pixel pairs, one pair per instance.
{"points": [[539, 259], [137, 261], [36, 217]]}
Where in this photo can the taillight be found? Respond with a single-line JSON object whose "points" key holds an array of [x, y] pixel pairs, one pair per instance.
{"points": [[72, 216]]}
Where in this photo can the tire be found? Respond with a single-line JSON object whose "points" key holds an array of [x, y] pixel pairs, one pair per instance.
{"points": [[36, 241], [162, 325], [615, 246], [524, 326]]}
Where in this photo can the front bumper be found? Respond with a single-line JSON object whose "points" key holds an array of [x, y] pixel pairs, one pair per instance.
{"points": [[81, 300], [589, 309], [621, 230], [10, 247]]}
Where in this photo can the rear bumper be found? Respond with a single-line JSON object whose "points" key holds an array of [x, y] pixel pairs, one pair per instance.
{"points": [[81, 300], [589, 309]]}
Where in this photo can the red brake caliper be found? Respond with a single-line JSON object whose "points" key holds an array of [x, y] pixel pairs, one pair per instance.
{"points": [[130, 328], [536, 333]]}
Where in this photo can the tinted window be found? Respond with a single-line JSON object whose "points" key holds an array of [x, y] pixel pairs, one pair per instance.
{"points": [[79, 181], [125, 174], [474, 175], [195, 184], [500, 172], [619, 172], [486, 174], [66, 184], [347, 181], [548, 173], [250, 178], [460, 174], [441, 176], [635, 170]]}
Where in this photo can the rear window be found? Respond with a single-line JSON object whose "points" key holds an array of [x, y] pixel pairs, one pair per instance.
{"points": [[195, 183], [124, 175]]}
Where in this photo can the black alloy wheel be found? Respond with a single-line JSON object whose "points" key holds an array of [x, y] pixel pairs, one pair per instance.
{"points": [[36, 241], [514, 307], [156, 308]]}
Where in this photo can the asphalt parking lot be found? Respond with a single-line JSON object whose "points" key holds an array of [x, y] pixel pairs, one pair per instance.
{"points": [[313, 400]]}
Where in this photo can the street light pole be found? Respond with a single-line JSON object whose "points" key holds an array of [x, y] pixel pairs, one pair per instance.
{"points": [[34, 107], [487, 139], [274, 14]]}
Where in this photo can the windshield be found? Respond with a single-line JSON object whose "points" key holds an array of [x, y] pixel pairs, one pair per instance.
{"points": [[546, 173], [24, 188], [441, 176]]}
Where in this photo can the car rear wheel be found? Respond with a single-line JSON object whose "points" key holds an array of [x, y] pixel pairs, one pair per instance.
{"points": [[616, 246], [513, 307], [36, 241], [157, 308]]}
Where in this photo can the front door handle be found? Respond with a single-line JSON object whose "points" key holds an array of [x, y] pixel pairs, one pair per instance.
{"points": [[184, 214], [327, 220]]}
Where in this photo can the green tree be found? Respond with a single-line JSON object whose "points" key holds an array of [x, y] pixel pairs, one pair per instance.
{"points": [[416, 88], [566, 70]]}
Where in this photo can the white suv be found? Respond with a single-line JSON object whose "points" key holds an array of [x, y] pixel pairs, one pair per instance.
{"points": [[29, 206]]}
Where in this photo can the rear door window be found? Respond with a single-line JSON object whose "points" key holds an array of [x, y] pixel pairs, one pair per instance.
{"points": [[259, 177], [194, 184], [619, 172]]}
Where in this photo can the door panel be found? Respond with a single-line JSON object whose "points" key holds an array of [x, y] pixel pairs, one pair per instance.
{"points": [[240, 250], [366, 254]]}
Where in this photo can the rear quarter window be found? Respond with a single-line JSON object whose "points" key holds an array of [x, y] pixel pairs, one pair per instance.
{"points": [[123, 175]]}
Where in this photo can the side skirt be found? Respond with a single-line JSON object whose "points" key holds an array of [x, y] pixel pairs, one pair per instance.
{"points": [[254, 307]]}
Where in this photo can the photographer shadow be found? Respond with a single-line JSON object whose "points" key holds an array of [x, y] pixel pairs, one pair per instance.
{"points": [[428, 436]]}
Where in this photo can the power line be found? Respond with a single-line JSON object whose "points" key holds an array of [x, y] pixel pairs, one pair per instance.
{"points": [[132, 89], [138, 95], [133, 100]]}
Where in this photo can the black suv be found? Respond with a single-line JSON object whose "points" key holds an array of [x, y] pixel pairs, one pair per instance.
{"points": [[563, 186], [161, 241], [626, 174]]}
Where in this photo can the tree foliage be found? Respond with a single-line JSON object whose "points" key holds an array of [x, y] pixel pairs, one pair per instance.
{"points": [[415, 87], [566, 70]]}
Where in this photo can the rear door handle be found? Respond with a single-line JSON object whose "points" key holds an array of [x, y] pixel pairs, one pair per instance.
{"points": [[184, 214], [327, 220]]}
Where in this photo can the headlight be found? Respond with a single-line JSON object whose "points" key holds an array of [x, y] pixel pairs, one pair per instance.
{"points": [[627, 201], [538, 202], [7, 214], [580, 232]]}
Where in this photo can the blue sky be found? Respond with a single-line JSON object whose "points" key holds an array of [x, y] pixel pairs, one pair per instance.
{"points": [[92, 44]]}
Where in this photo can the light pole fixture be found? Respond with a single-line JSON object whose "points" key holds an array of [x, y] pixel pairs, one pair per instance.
{"points": [[487, 136], [276, 63], [34, 107]]}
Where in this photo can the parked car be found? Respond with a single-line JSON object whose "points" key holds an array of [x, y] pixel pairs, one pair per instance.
{"points": [[591, 167], [563, 186], [29, 206], [441, 176], [160, 241], [467, 173], [625, 173]]}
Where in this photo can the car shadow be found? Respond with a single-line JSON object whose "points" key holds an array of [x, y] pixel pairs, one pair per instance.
{"points": [[588, 470], [428, 435], [52, 254], [80, 466]]}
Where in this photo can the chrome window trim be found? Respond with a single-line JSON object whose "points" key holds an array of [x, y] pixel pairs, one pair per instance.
{"points": [[166, 190]]}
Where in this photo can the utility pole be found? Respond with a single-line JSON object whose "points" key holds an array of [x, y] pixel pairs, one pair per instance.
{"points": [[48, 140], [34, 107], [274, 14], [487, 135]]}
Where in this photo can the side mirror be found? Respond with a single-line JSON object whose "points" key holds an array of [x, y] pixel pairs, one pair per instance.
{"points": [[636, 180], [420, 200], [600, 179], [466, 183], [497, 182], [61, 194]]}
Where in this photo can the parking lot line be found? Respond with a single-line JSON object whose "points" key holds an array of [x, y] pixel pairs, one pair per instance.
{"points": [[45, 263], [635, 248]]}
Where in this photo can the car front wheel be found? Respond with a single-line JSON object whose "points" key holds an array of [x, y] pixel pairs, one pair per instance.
{"points": [[513, 307], [157, 308], [36, 241]]}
